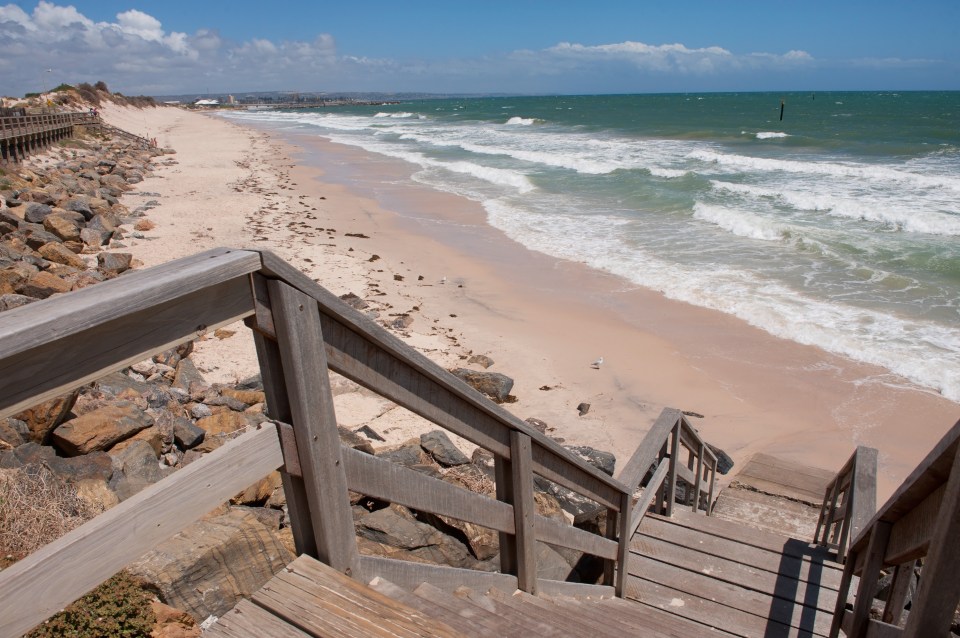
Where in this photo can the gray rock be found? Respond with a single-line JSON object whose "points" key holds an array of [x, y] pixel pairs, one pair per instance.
{"points": [[11, 301], [79, 205], [724, 462], [603, 461], [481, 360], [14, 432], [408, 455], [442, 449], [354, 440], [114, 262], [186, 434], [493, 384], [583, 408], [35, 213], [200, 411], [134, 468], [95, 237]]}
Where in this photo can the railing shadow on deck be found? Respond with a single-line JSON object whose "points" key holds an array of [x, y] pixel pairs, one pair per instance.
{"points": [[301, 332]]}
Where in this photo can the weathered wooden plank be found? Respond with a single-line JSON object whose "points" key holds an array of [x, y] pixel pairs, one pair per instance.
{"points": [[642, 505], [278, 408], [707, 612], [640, 615], [321, 581], [60, 343], [554, 532], [623, 522], [787, 610], [524, 511], [747, 536], [670, 486], [307, 381], [371, 356], [899, 589], [550, 587], [453, 619], [469, 611], [318, 616], [409, 575], [533, 625], [796, 557], [647, 452], [873, 563], [878, 629], [863, 503], [800, 587], [911, 534], [562, 620], [938, 594], [382, 479], [503, 477], [35, 587], [248, 620]]}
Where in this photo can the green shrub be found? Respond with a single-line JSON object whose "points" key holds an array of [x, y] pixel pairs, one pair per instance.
{"points": [[63, 87], [119, 607]]}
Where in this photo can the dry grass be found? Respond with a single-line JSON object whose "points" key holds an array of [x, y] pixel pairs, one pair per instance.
{"points": [[36, 507], [470, 477]]}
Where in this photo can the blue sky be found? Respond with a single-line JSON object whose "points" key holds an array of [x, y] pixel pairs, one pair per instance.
{"points": [[174, 47]]}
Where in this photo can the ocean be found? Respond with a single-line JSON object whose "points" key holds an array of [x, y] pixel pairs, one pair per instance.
{"points": [[836, 226]]}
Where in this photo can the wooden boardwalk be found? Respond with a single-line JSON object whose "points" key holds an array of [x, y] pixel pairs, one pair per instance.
{"points": [[24, 135]]}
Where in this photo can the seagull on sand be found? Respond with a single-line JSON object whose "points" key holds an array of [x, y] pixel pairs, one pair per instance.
{"points": [[596, 364], [443, 279]]}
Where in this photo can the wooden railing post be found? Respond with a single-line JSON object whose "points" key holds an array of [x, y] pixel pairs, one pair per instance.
{"points": [[672, 477], [938, 594], [524, 510], [503, 475], [304, 363], [625, 531], [873, 563], [278, 408]]}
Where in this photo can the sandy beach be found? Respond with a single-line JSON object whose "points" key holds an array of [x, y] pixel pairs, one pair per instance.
{"points": [[357, 224]]}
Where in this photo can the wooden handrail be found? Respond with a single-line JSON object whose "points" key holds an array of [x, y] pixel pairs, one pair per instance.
{"points": [[669, 434], [300, 330], [920, 520], [849, 501]]}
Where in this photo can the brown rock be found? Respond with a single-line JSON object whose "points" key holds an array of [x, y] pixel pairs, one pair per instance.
{"points": [[100, 429], [208, 567], [43, 418], [60, 254], [43, 284], [172, 622], [95, 493], [260, 491], [65, 229], [250, 397], [226, 422], [152, 435], [11, 279]]}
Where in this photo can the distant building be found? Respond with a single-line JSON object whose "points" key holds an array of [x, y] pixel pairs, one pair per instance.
{"points": [[231, 100], [207, 103]]}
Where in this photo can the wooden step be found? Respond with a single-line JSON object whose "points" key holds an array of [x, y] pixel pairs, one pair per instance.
{"points": [[464, 624], [530, 622], [767, 512], [641, 615], [469, 611], [572, 620], [711, 613], [780, 476], [247, 620], [319, 600]]}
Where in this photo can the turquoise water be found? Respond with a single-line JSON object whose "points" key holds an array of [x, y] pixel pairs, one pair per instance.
{"points": [[837, 226]]}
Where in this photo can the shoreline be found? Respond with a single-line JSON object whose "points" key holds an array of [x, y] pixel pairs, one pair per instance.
{"points": [[542, 328]]}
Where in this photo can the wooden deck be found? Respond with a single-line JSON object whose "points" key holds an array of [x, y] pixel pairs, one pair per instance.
{"points": [[724, 575]]}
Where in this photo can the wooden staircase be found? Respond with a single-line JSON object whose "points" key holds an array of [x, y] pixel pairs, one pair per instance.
{"points": [[309, 598]]}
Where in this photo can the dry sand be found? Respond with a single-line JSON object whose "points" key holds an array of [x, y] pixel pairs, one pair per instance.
{"points": [[470, 290]]}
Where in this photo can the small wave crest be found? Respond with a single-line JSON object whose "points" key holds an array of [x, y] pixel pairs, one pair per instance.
{"points": [[398, 115], [738, 222], [522, 121], [767, 135]]}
